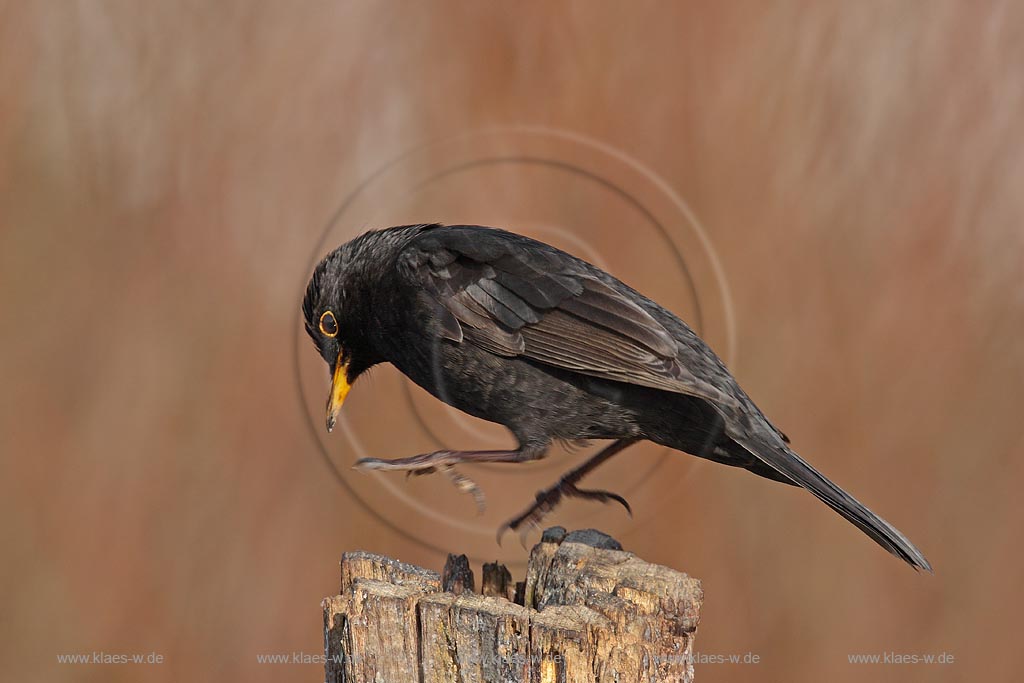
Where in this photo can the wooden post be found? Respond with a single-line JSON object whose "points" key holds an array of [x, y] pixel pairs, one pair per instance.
{"points": [[588, 611]]}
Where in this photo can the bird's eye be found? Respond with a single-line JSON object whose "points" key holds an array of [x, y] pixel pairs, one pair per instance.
{"points": [[328, 325]]}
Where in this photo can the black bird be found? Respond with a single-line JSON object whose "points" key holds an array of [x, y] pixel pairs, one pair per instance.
{"points": [[517, 332]]}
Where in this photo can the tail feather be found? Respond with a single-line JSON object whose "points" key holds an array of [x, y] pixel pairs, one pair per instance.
{"points": [[795, 468]]}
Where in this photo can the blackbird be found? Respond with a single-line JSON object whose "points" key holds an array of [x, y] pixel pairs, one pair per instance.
{"points": [[517, 332]]}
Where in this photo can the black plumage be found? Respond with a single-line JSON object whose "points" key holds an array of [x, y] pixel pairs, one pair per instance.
{"points": [[517, 332]]}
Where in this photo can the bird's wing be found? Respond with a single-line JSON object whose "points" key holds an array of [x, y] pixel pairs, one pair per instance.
{"points": [[517, 297]]}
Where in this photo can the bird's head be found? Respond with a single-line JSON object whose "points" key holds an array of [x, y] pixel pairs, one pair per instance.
{"points": [[335, 322]]}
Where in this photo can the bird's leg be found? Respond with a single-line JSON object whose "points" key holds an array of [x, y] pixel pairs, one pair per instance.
{"points": [[430, 461], [444, 461], [548, 499]]}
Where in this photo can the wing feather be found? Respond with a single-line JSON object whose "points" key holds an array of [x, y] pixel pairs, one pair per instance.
{"points": [[517, 297], [511, 301], [498, 310]]}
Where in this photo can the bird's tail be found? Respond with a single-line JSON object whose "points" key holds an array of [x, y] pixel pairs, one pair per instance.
{"points": [[786, 462]]}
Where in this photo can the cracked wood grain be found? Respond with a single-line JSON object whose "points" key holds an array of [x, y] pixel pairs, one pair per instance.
{"points": [[592, 612]]}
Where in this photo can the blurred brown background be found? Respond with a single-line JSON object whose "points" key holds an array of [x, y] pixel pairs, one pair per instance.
{"points": [[168, 169]]}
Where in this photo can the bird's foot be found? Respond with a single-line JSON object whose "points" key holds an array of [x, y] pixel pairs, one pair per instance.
{"points": [[428, 463], [548, 499], [425, 463]]}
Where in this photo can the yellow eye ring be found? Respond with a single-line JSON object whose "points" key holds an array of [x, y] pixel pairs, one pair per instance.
{"points": [[328, 325]]}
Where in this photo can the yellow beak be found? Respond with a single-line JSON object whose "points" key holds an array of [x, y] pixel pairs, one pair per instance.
{"points": [[339, 390]]}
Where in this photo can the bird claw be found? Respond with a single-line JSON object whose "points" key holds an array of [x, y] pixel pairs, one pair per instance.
{"points": [[420, 473], [465, 485], [603, 497], [547, 500], [512, 525]]}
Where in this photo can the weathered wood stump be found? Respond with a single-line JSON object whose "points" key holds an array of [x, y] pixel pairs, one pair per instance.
{"points": [[588, 611]]}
